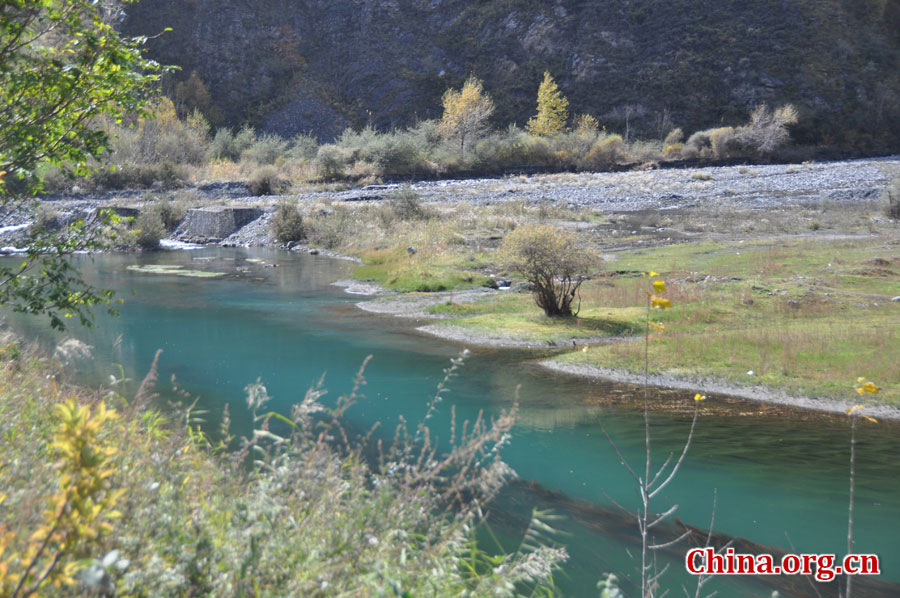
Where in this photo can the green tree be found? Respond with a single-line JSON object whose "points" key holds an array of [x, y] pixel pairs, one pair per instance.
{"points": [[62, 66], [552, 109], [466, 113], [554, 261]]}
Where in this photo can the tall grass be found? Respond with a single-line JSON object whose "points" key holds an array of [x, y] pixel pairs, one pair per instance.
{"points": [[300, 507]]}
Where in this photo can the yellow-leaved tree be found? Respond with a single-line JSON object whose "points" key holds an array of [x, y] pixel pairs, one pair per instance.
{"points": [[552, 109], [466, 113]]}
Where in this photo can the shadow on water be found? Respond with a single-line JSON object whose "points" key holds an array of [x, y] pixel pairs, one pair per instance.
{"points": [[510, 519]]}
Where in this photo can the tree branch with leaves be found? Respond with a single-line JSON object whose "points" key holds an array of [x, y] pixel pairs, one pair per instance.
{"points": [[62, 66]]}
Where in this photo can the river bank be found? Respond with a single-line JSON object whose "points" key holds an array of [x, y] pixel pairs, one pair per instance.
{"points": [[415, 307], [786, 271]]}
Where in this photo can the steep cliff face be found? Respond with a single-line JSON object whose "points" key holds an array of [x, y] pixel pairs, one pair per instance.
{"points": [[317, 66]]}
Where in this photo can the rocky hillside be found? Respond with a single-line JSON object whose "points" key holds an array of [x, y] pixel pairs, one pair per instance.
{"points": [[317, 66]]}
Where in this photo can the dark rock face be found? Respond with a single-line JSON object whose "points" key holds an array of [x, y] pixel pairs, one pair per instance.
{"points": [[294, 66], [212, 224]]}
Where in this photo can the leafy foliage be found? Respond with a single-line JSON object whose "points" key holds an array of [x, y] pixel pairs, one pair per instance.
{"points": [[175, 507], [287, 223], [466, 113], [76, 514], [62, 66], [267, 181], [149, 228], [552, 260], [552, 109]]}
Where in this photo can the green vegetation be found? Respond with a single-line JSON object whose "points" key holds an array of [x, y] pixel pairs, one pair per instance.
{"points": [[892, 199], [425, 271], [466, 113], [287, 224], [554, 261], [802, 315], [63, 67], [110, 496], [175, 270], [552, 111], [159, 148]]}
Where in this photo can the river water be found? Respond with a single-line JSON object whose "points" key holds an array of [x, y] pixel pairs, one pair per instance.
{"points": [[780, 476]]}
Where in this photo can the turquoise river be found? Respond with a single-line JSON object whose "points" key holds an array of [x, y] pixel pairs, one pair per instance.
{"points": [[780, 475]]}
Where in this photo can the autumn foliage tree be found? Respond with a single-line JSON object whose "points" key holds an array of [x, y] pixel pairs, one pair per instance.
{"points": [[466, 113], [554, 261], [552, 109]]}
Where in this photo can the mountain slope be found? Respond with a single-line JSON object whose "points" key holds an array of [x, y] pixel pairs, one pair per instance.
{"points": [[317, 66]]}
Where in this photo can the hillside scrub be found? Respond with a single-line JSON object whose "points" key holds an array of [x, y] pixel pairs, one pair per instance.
{"points": [[172, 508], [161, 148]]}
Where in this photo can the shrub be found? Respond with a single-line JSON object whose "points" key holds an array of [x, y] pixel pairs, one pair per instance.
{"points": [[673, 150], [148, 230], [406, 205], [243, 139], [586, 124], [723, 143], [331, 161], [892, 198], [137, 176], [170, 213], [398, 152], [674, 136], [719, 143], [603, 153], [54, 179], [644, 152], [331, 228], [222, 146], [554, 261], [697, 146], [265, 150], [266, 181], [133, 478], [47, 219], [287, 223], [160, 137], [303, 148], [768, 129]]}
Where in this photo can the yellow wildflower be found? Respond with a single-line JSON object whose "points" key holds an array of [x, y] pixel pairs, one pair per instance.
{"points": [[865, 386], [699, 397], [659, 286], [660, 303]]}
